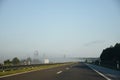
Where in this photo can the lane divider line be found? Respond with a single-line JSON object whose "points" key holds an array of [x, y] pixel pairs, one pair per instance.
{"points": [[59, 72], [99, 73]]}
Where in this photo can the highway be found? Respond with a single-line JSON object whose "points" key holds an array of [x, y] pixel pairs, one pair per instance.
{"points": [[78, 71]]}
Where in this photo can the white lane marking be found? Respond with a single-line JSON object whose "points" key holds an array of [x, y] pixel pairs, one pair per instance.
{"points": [[59, 72], [100, 73]]}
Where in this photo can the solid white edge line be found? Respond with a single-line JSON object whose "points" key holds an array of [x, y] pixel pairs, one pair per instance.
{"points": [[99, 73], [59, 72]]}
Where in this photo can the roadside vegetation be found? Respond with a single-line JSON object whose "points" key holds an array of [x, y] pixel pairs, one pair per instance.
{"points": [[16, 61], [110, 57], [27, 69]]}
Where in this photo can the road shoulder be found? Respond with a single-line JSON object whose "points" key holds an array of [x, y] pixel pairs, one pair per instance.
{"points": [[108, 73]]}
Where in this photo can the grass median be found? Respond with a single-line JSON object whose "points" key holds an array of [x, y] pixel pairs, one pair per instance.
{"points": [[28, 69]]}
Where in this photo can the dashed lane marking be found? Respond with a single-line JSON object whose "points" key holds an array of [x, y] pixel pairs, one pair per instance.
{"points": [[59, 72]]}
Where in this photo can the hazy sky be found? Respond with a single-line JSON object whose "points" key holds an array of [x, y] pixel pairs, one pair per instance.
{"points": [[77, 28]]}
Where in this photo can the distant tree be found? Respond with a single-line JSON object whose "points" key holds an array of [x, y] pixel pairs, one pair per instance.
{"points": [[7, 62], [29, 60], [111, 55], [23, 62], [15, 61], [96, 62]]}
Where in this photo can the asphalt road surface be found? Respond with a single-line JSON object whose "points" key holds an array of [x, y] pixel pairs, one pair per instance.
{"points": [[77, 71]]}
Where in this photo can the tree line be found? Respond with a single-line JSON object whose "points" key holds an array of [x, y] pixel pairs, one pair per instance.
{"points": [[17, 61], [111, 55], [14, 61]]}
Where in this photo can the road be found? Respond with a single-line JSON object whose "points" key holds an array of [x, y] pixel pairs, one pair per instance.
{"points": [[77, 71]]}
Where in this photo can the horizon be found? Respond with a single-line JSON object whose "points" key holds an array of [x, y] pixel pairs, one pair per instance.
{"points": [[79, 28]]}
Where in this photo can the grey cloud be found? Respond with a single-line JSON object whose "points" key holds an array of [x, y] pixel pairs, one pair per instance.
{"points": [[94, 42]]}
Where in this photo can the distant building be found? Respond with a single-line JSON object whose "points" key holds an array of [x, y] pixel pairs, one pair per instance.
{"points": [[46, 61]]}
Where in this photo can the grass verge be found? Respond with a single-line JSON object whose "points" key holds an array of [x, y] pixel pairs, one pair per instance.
{"points": [[27, 69]]}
